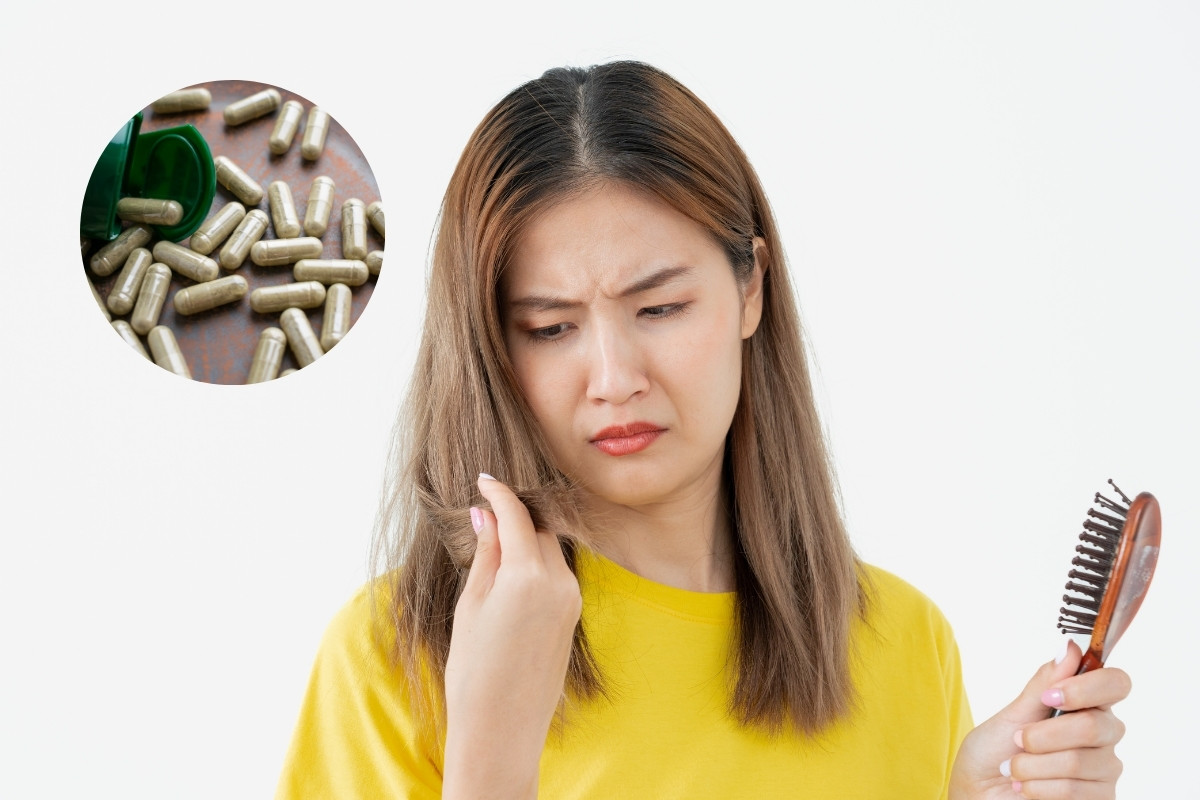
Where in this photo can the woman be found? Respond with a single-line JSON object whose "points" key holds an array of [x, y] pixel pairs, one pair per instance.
{"points": [[667, 605]]}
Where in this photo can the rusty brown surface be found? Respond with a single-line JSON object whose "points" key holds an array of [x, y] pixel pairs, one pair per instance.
{"points": [[219, 344]]}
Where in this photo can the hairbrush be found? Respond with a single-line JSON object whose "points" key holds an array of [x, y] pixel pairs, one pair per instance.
{"points": [[1115, 561]]}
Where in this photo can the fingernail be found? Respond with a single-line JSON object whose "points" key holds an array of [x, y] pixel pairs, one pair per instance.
{"points": [[1062, 651], [485, 475], [1052, 698], [476, 519], [1006, 768], [1017, 787], [1019, 739]]}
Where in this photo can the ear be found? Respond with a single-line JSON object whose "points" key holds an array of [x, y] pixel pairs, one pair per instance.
{"points": [[752, 293]]}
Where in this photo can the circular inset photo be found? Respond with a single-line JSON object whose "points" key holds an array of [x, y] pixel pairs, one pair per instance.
{"points": [[232, 232]]}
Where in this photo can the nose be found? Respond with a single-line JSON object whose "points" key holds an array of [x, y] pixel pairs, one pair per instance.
{"points": [[617, 370]]}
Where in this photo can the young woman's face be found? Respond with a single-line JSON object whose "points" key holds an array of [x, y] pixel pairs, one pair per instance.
{"points": [[625, 323]]}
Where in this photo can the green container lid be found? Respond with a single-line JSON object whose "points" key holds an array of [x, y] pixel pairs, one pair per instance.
{"points": [[171, 164]]}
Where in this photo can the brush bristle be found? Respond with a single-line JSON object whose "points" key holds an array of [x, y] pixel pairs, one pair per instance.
{"points": [[1093, 566]]}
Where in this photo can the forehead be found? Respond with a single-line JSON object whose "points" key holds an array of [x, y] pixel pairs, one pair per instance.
{"points": [[604, 239]]}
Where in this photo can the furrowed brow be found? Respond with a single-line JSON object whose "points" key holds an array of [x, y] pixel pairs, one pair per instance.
{"points": [[542, 302]]}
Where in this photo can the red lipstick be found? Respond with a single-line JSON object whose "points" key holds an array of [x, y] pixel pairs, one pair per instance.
{"points": [[621, 440]]}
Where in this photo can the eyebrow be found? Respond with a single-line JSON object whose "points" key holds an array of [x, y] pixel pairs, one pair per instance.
{"points": [[542, 302]]}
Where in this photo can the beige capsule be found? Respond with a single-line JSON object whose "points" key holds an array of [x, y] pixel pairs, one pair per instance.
{"points": [[150, 210], [336, 320], [278, 252], [256, 105], [204, 296], [300, 335], [316, 128], [130, 336], [166, 352], [112, 255], [217, 228], [125, 291], [354, 229], [320, 204], [186, 262], [286, 125], [268, 356], [374, 261], [235, 179], [182, 100], [283, 210], [331, 270], [270, 299], [151, 298], [248, 232], [375, 216]]}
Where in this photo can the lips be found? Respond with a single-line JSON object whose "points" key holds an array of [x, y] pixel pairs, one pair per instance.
{"points": [[621, 440]]}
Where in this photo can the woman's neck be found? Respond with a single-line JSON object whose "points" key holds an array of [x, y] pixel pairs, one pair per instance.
{"points": [[684, 541]]}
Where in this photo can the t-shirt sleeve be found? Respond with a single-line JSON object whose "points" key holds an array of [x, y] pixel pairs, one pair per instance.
{"points": [[961, 722], [357, 736]]}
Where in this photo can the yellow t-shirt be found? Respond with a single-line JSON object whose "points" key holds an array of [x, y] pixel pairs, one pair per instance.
{"points": [[667, 734]]}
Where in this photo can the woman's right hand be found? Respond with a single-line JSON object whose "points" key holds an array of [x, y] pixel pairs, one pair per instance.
{"points": [[509, 650]]}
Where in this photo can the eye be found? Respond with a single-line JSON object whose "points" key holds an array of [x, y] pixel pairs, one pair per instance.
{"points": [[662, 312], [550, 333]]}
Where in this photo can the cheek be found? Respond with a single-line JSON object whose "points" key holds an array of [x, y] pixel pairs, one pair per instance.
{"points": [[707, 370], [543, 383]]}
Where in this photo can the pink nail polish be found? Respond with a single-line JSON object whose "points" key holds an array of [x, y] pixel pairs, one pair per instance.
{"points": [[1019, 739], [476, 519], [1017, 787], [1052, 698]]}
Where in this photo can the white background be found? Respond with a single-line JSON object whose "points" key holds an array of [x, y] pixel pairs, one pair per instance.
{"points": [[991, 215]]}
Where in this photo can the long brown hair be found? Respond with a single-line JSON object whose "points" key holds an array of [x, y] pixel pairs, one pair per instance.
{"points": [[797, 578]]}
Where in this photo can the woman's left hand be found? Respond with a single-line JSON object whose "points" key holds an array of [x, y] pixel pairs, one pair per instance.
{"points": [[1022, 752]]}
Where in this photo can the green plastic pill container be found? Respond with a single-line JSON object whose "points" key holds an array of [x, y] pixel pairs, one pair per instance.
{"points": [[170, 164]]}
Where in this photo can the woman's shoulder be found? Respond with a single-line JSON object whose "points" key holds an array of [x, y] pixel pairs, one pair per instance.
{"points": [[363, 629], [893, 604]]}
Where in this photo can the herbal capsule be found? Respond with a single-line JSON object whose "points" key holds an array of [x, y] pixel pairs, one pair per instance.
{"points": [[235, 179], [100, 301], [286, 125], [331, 270], [354, 229], [249, 231], [182, 100], [375, 215], [130, 336], [277, 252], [112, 255], [283, 210], [287, 372], [256, 105], [186, 261], [217, 228], [315, 131], [151, 298], [374, 261], [336, 320], [269, 299], [149, 210], [320, 203], [268, 355], [166, 351], [300, 335], [204, 296], [125, 290]]}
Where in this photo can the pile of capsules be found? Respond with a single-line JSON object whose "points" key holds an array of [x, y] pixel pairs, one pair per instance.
{"points": [[146, 270]]}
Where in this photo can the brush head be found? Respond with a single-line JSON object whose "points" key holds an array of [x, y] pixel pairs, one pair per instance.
{"points": [[1115, 561]]}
